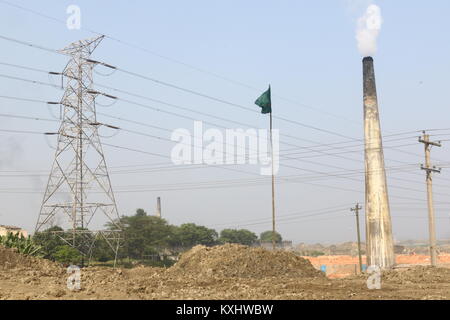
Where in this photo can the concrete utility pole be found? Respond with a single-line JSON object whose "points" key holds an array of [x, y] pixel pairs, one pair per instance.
{"points": [[429, 170], [379, 242], [356, 210]]}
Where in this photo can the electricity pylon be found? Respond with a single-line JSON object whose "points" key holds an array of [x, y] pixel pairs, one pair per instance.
{"points": [[79, 188]]}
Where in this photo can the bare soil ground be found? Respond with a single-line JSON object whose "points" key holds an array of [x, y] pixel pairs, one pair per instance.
{"points": [[224, 272]]}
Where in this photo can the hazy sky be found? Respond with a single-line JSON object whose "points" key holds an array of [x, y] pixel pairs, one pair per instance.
{"points": [[306, 50]]}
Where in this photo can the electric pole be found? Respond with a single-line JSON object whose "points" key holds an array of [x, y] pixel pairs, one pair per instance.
{"points": [[79, 188], [429, 170], [356, 210]]}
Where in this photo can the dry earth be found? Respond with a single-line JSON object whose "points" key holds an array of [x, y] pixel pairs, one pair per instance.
{"points": [[224, 272]]}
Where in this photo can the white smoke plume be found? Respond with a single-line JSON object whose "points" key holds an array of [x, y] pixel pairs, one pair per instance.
{"points": [[368, 29], [10, 151]]}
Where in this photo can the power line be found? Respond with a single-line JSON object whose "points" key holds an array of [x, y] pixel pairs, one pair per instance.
{"points": [[37, 82], [160, 110], [172, 166], [21, 131], [190, 66], [23, 99], [206, 96], [283, 217], [362, 143], [214, 183], [183, 116], [23, 67], [347, 147], [163, 102], [29, 44], [237, 170], [4, 115], [164, 83], [288, 166], [349, 138], [297, 158], [203, 113]]}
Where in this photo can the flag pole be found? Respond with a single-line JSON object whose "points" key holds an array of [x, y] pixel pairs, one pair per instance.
{"points": [[273, 186], [265, 103]]}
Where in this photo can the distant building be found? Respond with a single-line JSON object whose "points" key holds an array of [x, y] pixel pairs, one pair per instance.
{"points": [[284, 245], [4, 230], [346, 248]]}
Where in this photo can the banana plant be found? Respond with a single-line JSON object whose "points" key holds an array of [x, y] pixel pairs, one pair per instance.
{"points": [[21, 244]]}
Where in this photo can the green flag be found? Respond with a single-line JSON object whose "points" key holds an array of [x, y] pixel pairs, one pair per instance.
{"points": [[264, 101]]}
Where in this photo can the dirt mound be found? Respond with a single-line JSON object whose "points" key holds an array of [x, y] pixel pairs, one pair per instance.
{"points": [[419, 274], [10, 259], [225, 272], [233, 260]]}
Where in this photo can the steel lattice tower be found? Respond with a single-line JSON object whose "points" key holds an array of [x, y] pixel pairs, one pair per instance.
{"points": [[79, 188]]}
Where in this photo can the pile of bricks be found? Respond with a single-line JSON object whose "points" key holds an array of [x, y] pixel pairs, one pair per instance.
{"points": [[343, 265]]}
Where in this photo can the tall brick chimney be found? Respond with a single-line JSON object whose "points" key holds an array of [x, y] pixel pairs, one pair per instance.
{"points": [[158, 207], [379, 241]]}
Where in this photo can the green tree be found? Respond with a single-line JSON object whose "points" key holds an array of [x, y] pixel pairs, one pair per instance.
{"points": [[241, 236], [190, 234], [144, 235], [49, 241], [266, 236], [102, 251], [141, 213], [67, 255]]}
